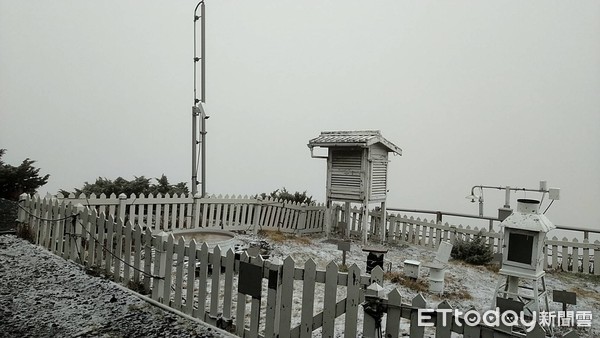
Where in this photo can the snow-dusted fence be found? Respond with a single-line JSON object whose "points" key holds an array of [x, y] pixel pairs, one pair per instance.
{"points": [[211, 285], [428, 234], [246, 213], [225, 212], [402, 229], [246, 295], [573, 255], [386, 316], [570, 255]]}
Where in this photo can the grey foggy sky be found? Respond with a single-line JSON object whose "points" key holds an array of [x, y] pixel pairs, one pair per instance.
{"points": [[474, 92]]}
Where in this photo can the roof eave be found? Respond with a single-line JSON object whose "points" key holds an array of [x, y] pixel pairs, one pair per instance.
{"points": [[343, 144]]}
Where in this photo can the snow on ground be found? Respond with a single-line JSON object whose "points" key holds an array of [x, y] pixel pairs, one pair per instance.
{"points": [[466, 286], [43, 295]]}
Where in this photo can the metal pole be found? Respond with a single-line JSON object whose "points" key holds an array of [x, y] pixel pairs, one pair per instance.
{"points": [[202, 56], [203, 95], [194, 151], [507, 189], [197, 109], [480, 206], [203, 136]]}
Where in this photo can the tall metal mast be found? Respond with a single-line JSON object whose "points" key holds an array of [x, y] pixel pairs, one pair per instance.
{"points": [[197, 109]]}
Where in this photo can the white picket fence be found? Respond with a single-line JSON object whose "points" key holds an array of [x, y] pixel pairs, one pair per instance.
{"points": [[246, 295], [571, 255], [246, 213], [225, 212]]}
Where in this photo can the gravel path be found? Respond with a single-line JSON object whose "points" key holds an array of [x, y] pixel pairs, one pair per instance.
{"points": [[42, 295]]}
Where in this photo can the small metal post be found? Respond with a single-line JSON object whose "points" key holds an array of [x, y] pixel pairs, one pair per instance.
{"points": [[507, 198], [344, 246]]}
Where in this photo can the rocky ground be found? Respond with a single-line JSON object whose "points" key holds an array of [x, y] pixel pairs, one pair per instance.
{"points": [[42, 295]]}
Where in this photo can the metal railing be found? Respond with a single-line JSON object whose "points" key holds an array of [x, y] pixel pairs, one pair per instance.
{"points": [[440, 214]]}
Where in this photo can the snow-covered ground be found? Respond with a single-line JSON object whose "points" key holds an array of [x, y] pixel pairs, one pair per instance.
{"points": [[43, 295], [466, 286]]}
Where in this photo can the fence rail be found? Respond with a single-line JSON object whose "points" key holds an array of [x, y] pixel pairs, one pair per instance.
{"points": [[186, 211], [247, 213], [570, 255], [245, 295]]}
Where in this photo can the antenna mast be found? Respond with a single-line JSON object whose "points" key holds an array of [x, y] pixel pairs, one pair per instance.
{"points": [[197, 109]]}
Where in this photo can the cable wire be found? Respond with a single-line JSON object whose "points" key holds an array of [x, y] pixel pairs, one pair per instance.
{"points": [[115, 256], [92, 236], [549, 205], [42, 218]]}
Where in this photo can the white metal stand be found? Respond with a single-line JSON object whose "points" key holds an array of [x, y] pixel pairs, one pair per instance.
{"points": [[511, 288]]}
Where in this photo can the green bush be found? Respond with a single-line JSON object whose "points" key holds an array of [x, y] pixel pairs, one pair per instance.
{"points": [[17, 180], [284, 195], [139, 185], [476, 251]]}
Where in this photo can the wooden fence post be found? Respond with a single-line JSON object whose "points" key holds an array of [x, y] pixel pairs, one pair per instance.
{"points": [[196, 211], [158, 284], [148, 259], [122, 206], [328, 224], [202, 258], [302, 218], [444, 320], [179, 251], [287, 294], [167, 269], [352, 301], [256, 224], [331, 276], [365, 222], [394, 314], [66, 224], [23, 203], [373, 311], [274, 299], [308, 294], [418, 303], [215, 286], [596, 258], [348, 218]]}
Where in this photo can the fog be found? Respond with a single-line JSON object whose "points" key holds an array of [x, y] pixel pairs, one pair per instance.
{"points": [[474, 92]]}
